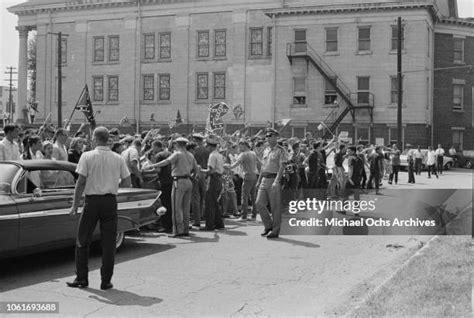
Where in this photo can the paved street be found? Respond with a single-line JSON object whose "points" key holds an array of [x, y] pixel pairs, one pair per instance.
{"points": [[231, 272], [222, 273], [456, 178]]}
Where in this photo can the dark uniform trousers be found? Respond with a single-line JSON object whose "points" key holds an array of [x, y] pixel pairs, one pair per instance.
{"points": [[213, 209], [101, 208]]}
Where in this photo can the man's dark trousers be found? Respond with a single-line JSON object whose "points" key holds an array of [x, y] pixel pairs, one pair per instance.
{"points": [[166, 220], [439, 164], [101, 208], [213, 209]]}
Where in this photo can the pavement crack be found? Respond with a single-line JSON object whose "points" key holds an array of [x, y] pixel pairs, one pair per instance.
{"points": [[240, 309]]}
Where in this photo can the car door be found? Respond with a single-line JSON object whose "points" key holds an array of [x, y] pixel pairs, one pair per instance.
{"points": [[8, 225], [9, 222], [44, 221]]}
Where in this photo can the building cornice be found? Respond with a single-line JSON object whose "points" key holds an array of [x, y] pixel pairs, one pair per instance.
{"points": [[457, 22], [354, 8], [28, 8]]}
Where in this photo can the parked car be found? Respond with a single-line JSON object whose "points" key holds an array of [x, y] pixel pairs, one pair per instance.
{"points": [[33, 223], [447, 161], [466, 159]]}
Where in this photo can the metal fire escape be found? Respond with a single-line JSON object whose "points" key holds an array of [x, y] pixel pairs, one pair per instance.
{"points": [[349, 103]]}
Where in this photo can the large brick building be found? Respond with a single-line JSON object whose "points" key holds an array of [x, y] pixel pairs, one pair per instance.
{"points": [[311, 61], [453, 116]]}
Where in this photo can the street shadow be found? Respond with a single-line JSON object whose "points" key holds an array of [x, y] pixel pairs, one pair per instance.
{"points": [[53, 266], [231, 232], [297, 243], [237, 224], [202, 239], [121, 298]]}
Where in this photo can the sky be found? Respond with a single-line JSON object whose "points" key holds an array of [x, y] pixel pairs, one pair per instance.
{"points": [[8, 34]]}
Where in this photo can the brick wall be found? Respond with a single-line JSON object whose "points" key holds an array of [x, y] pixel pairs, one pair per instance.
{"points": [[444, 117]]}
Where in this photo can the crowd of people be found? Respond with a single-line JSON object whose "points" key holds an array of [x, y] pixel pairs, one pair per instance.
{"points": [[205, 177]]}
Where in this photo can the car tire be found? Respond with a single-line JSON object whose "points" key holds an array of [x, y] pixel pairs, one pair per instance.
{"points": [[468, 164], [448, 165], [96, 246], [119, 240]]}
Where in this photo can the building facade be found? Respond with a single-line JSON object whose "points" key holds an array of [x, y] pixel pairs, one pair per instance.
{"points": [[146, 59], [454, 84]]}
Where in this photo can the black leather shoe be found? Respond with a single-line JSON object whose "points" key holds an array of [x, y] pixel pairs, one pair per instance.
{"points": [[272, 236], [264, 233], [106, 285], [78, 283]]}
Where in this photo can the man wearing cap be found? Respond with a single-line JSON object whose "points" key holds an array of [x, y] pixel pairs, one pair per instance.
{"points": [[215, 169], [201, 154], [269, 181], [183, 165]]}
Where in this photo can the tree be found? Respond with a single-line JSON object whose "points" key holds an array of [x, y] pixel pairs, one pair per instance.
{"points": [[32, 67]]}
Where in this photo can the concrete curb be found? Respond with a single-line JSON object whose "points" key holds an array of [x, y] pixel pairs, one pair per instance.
{"points": [[377, 289]]}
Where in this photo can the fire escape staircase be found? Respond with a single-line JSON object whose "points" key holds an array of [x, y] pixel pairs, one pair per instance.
{"points": [[350, 101]]}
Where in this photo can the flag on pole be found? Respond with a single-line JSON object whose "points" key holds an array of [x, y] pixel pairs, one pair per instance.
{"points": [[284, 122], [177, 121], [238, 111], [124, 121], [216, 112], [322, 126], [84, 105]]}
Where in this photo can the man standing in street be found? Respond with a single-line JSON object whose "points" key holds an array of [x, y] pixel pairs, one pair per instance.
{"points": [[439, 153], [376, 169], [99, 173], [274, 161], [183, 166], [248, 161], [355, 166], [418, 160], [9, 149], [395, 163], [431, 162], [215, 169], [201, 154], [166, 184], [131, 155]]}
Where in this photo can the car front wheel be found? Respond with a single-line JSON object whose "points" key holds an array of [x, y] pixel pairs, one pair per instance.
{"points": [[448, 166], [468, 164], [119, 239]]}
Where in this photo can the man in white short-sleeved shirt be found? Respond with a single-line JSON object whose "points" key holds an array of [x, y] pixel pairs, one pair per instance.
{"points": [[100, 172], [9, 149]]}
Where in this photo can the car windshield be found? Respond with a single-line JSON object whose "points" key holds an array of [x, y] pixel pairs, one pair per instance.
{"points": [[7, 173]]}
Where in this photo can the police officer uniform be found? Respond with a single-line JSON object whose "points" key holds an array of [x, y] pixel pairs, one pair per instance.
{"points": [[269, 191], [183, 165]]}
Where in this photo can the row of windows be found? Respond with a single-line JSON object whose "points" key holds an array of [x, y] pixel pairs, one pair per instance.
{"points": [[202, 86], [207, 47], [363, 38], [203, 89], [363, 92], [108, 48]]}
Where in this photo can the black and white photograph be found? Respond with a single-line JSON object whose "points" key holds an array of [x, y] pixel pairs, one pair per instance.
{"points": [[236, 158]]}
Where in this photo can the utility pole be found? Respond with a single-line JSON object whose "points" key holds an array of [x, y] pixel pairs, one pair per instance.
{"points": [[60, 76], [10, 107], [400, 84], [60, 81]]}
